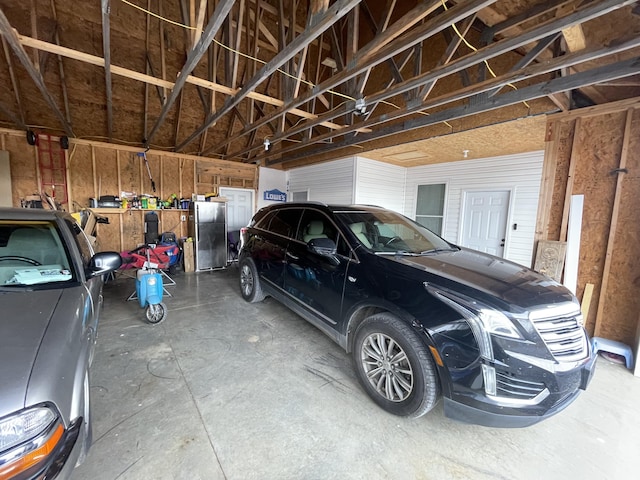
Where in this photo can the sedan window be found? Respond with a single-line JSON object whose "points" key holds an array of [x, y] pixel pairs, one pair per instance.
{"points": [[31, 253]]}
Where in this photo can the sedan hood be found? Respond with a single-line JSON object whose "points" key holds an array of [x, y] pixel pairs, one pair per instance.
{"points": [[24, 321], [500, 279]]}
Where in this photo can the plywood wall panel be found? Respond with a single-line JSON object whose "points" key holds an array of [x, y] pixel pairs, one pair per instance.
{"points": [[129, 172], [597, 154], [596, 157], [81, 175], [23, 167], [170, 177], [106, 172], [622, 302], [563, 155]]}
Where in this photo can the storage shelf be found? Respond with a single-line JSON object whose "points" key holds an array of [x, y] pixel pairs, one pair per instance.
{"points": [[120, 211]]}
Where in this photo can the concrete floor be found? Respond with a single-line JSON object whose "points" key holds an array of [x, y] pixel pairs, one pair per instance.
{"points": [[224, 389]]}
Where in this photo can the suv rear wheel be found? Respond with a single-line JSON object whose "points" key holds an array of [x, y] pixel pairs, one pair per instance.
{"points": [[395, 367], [249, 282]]}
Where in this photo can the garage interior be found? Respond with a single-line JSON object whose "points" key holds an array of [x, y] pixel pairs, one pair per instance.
{"points": [[224, 94]]}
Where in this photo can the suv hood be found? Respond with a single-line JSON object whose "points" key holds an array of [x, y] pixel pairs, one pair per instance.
{"points": [[493, 276], [25, 317]]}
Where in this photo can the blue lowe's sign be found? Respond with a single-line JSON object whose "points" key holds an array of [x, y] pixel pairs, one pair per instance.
{"points": [[275, 195]]}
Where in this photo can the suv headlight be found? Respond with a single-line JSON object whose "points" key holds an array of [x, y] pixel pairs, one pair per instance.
{"points": [[27, 438], [484, 321]]}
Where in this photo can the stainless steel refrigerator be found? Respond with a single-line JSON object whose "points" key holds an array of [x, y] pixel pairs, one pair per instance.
{"points": [[208, 228]]}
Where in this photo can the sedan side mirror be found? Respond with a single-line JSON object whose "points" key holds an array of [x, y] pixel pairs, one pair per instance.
{"points": [[322, 246], [103, 262]]}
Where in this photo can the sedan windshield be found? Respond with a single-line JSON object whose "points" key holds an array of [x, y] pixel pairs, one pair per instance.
{"points": [[386, 232], [31, 253]]}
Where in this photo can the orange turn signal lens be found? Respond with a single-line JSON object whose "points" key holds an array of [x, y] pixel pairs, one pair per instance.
{"points": [[436, 356], [33, 457]]}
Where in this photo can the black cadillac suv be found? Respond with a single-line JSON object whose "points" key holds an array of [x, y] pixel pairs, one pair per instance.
{"points": [[423, 318]]}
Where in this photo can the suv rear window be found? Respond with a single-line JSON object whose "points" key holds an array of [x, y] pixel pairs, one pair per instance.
{"points": [[285, 222]]}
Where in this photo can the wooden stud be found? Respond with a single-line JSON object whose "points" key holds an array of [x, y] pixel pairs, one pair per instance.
{"points": [[585, 305], [548, 181], [93, 173], [614, 222], [570, 179]]}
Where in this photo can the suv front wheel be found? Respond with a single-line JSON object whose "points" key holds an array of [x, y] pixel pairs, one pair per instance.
{"points": [[395, 367]]}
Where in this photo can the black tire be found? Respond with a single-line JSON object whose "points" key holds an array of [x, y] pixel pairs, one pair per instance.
{"points": [[404, 383], [250, 287], [32, 138], [156, 313]]}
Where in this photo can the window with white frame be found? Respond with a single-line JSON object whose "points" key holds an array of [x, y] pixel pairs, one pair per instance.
{"points": [[430, 206]]}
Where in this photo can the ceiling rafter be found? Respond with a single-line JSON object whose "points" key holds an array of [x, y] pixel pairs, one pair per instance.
{"points": [[215, 22], [106, 51], [14, 85], [380, 49], [599, 74], [14, 42], [317, 26], [500, 81]]}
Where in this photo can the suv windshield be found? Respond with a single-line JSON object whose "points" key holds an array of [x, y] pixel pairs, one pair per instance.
{"points": [[386, 232], [32, 253]]}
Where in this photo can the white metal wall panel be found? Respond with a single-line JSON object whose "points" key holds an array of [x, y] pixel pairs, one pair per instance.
{"points": [[381, 184], [331, 182], [521, 173]]}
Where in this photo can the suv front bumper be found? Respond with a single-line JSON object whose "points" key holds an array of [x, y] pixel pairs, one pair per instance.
{"points": [[561, 388]]}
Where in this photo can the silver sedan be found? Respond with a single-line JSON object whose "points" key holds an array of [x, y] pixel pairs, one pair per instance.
{"points": [[50, 297]]}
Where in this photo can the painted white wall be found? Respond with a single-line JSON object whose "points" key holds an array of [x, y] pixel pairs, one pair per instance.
{"points": [[330, 182], [520, 173], [381, 184], [270, 179]]}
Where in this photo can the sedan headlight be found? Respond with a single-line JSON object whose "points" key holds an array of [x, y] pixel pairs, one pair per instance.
{"points": [[27, 438]]}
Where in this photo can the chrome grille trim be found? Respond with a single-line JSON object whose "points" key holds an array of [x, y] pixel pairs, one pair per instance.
{"points": [[510, 386], [563, 335]]}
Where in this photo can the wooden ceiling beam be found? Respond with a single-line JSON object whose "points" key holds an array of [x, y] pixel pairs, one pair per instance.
{"points": [[14, 84], [384, 49], [106, 51], [220, 13], [316, 26], [13, 117], [489, 85], [577, 80], [14, 42]]}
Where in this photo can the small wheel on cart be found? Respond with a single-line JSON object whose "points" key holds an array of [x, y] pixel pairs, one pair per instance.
{"points": [[156, 313]]}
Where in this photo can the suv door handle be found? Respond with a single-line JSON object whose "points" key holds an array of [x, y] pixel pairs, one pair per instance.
{"points": [[293, 257]]}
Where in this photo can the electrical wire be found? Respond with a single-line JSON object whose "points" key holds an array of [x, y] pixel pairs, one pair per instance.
{"points": [[455, 29]]}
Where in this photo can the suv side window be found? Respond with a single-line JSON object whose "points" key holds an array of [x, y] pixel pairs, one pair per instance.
{"points": [[285, 222], [315, 224]]}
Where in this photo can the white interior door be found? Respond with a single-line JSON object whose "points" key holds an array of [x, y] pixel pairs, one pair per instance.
{"points": [[484, 221], [239, 207]]}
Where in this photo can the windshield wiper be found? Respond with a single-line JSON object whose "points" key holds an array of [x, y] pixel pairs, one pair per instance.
{"points": [[398, 253], [440, 250]]}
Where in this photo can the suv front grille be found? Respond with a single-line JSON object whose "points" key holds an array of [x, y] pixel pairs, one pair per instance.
{"points": [[563, 336]]}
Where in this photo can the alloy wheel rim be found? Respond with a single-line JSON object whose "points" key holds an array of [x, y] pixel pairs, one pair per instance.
{"points": [[246, 280], [387, 367]]}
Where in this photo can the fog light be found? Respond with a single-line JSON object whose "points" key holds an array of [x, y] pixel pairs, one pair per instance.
{"points": [[489, 374]]}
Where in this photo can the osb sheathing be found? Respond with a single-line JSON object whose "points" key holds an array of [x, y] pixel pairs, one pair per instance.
{"points": [[97, 169], [597, 155]]}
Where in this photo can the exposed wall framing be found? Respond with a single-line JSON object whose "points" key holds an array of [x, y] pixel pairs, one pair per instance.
{"points": [[96, 169], [595, 154]]}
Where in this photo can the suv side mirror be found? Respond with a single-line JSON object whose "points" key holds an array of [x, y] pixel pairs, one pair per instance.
{"points": [[103, 262], [322, 246]]}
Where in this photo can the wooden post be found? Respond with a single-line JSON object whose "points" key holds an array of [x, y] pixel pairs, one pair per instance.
{"points": [[570, 180], [614, 223]]}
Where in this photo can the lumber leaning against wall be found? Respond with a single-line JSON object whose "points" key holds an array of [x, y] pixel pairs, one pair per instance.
{"points": [[96, 168], [592, 143]]}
